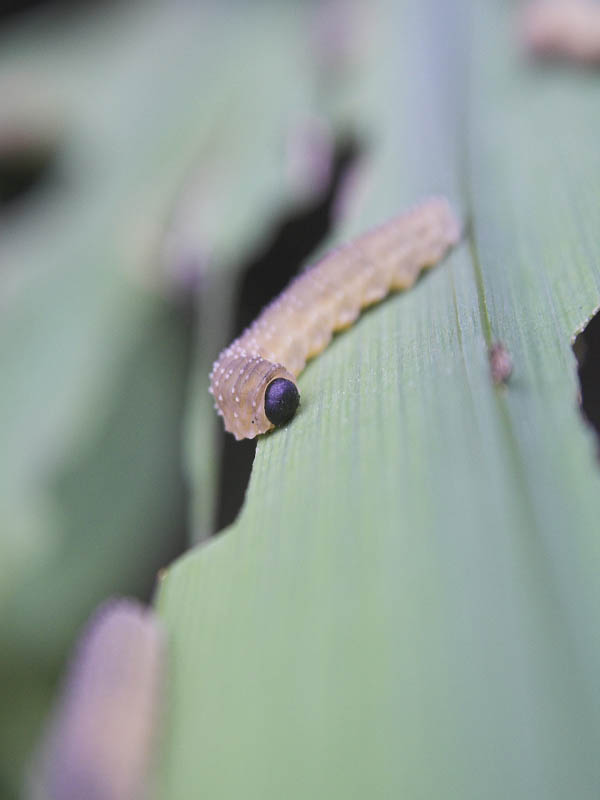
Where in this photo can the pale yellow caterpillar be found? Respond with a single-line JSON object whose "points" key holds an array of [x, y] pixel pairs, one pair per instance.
{"points": [[254, 380], [568, 28]]}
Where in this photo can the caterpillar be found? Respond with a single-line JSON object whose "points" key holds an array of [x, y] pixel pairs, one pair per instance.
{"points": [[569, 28], [253, 381]]}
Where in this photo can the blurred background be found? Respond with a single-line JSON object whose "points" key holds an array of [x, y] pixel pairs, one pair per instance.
{"points": [[165, 167]]}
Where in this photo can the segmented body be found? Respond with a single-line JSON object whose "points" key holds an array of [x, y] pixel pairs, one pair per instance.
{"points": [[328, 297]]}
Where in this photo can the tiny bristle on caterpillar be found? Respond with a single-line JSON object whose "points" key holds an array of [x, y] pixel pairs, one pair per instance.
{"points": [[253, 381]]}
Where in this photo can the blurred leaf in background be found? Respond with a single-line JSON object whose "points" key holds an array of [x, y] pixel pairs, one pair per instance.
{"points": [[157, 147], [98, 742]]}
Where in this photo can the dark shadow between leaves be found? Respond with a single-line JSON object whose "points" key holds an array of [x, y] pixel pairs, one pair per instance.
{"points": [[265, 276], [586, 347]]}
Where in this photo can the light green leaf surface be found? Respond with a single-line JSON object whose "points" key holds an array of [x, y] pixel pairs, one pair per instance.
{"points": [[406, 606]]}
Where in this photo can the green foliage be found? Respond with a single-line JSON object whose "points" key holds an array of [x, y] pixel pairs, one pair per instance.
{"points": [[145, 99], [406, 606]]}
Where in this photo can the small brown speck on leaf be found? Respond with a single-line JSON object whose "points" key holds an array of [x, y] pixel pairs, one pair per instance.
{"points": [[501, 363]]}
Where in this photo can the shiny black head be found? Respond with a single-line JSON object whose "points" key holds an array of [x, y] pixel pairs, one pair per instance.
{"points": [[281, 401]]}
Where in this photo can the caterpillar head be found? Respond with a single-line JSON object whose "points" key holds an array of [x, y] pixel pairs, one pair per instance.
{"points": [[252, 394], [282, 399]]}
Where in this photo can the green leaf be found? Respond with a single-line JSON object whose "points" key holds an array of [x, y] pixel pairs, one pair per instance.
{"points": [[82, 263], [407, 604], [147, 99]]}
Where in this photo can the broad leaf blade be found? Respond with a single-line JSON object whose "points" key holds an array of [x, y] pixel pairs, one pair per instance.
{"points": [[405, 605]]}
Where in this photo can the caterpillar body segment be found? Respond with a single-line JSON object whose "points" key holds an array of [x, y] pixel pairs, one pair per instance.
{"points": [[253, 381]]}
